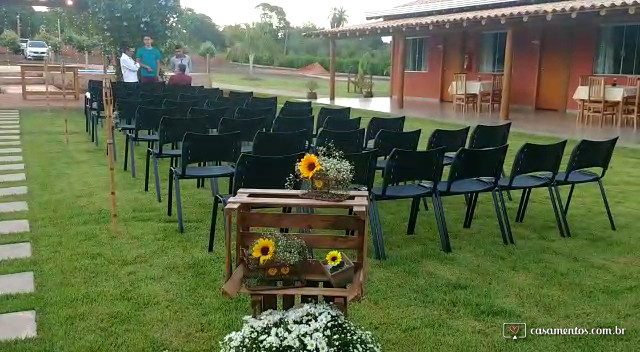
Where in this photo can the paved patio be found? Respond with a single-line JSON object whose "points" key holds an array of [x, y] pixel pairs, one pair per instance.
{"points": [[540, 122]]}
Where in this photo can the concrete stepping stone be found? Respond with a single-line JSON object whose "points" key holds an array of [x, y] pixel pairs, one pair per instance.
{"points": [[10, 143], [8, 127], [14, 226], [12, 207], [18, 325], [10, 150], [9, 131], [9, 138], [12, 158], [8, 167], [9, 122], [15, 251], [17, 283], [12, 177], [13, 191]]}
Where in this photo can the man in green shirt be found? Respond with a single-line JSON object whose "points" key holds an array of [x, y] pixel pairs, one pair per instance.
{"points": [[149, 59]]}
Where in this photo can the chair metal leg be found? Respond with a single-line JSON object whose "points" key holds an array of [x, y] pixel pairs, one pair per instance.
{"points": [[469, 202], [563, 216], [132, 156], [178, 203], [170, 193], [472, 211], [606, 205], [507, 225], [214, 186], [146, 171], [566, 206], [522, 197], [379, 233], [499, 217], [156, 175], [555, 211], [374, 234], [446, 244], [413, 216], [126, 150], [524, 206], [508, 193], [214, 217], [425, 203], [95, 129]]}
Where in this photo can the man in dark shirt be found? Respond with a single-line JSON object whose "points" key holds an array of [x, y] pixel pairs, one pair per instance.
{"points": [[180, 78]]}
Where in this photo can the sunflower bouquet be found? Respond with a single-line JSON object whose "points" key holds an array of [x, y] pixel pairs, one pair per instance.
{"points": [[338, 268], [325, 175], [275, 260]]}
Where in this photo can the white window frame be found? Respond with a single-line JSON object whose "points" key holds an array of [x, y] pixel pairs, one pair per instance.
{"points": [[597, 51], [425, 52], [481, 50]]}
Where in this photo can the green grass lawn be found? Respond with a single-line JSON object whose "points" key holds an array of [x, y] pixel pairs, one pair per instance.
{"points": [[294, 83], [149, 288]]}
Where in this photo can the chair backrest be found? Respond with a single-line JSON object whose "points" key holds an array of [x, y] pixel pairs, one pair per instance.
{"points": [[148, 118], [460, 83], [265, 102], [152, 87], [591, 154], [212, 116], [489, 136], [596, 89], [497, 81], [279, 143], [386, 141], [412, 165], [293, 124], [173, 91], [202, 148], [211, 93], [344, 141], [200, 98], [383, 123], [243, 112], [450, 140], [215, 104], [156, 99], [247, 127], [265, 172], [223, 99], [296, 112], [181, 107], [537, 158], [238, 95], [173, 129], [295, 105], [583, 80], [326, 112], [364, 167], [127, 109], [632, 80], [340, 124], [475, 163]]}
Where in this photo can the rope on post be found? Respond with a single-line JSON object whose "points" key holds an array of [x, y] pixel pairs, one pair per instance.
{"points": [[107, 97]]}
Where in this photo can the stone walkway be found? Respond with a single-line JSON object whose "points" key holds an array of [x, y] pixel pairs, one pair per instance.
{"points": [[14, 325]]}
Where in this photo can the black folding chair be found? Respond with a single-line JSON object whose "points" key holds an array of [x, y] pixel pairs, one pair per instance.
{"points": [[295, 112], [473, 171], [211, 93], [147, 120], [407, 166], [289, 104], [294, 124], [200, 98], [202, 149], [171, 131], [212, 117], [386, 141], [344, 141], [244, 113], [279, 143], [247, 127], [531, 168], [586, 155], [325, 112], [273, 174], [450, 140], [376, 124], [265, 102], [490, 136], [157, 99], [340, 124], [181, 107], [238, 95]]}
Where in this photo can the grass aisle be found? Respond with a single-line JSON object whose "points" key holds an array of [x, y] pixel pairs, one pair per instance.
{"points": [[149, 288]]}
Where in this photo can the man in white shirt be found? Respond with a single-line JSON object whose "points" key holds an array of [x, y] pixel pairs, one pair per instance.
{"points": [[128, 66]]}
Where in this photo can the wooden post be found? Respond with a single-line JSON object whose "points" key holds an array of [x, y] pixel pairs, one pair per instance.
{"points": [[108, 111], [45, 73], [63, 73], [401, 67], [506, 84], [393, 65], [332, 69]]}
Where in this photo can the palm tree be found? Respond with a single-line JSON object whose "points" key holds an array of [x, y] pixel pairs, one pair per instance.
{"points": [[338, 17]]}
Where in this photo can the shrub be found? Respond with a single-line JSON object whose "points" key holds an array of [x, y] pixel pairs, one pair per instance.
{"points": [[310, 327], [9, 39]]}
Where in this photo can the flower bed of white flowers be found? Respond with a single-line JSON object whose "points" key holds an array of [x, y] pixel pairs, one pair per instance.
{"points": [[309, 327]]}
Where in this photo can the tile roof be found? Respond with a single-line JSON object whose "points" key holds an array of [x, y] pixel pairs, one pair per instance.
{"points": [[478, 15]]}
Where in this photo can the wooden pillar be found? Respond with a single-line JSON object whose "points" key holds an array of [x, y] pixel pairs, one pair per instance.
{"points": [[393, 65], [332, 69], [401, 67], [506, 84]]}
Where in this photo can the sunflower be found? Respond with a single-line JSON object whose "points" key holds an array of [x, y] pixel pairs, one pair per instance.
{"points": [[263, 249], [334, 258], [284, 270], [309, 165], [318, 183], [272, 271]]}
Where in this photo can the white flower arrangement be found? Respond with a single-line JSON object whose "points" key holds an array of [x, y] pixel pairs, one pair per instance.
{"points": [[308, 327]]}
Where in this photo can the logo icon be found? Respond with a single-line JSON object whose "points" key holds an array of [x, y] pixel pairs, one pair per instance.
{"points": [[514, 330]]}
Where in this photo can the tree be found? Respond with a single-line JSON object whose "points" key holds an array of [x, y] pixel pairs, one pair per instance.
{"points": [[338, 17], [82, 44], [196, 28], [208, 50], [9, 40], [254, 39]]}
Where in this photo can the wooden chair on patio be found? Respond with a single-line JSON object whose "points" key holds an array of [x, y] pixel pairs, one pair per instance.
{"points": [[630, 108], [460, 95], [583, 82], [596, 106], [494, 96]]}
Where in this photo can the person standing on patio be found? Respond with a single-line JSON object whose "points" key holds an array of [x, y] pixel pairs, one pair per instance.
{"points": [[149, 59], [180, 78], [180, 58], [128, 66]]}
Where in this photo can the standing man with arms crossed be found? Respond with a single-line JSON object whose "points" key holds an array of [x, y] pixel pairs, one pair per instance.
{"points": [[149, 59], [128, 66]]}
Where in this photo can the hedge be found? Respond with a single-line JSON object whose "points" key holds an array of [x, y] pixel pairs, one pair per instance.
{"points": [[378, 66]]}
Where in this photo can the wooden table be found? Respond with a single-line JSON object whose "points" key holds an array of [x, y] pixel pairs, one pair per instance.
{"points": [[249, 206], [62, 69], [611, 93], [473, 87]]}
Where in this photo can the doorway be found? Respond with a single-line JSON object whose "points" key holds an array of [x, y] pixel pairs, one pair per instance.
{"points": [[553, 73], [451, 62]]}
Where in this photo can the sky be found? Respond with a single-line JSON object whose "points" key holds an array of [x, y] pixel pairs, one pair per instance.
{"points": [[298, 11]]}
